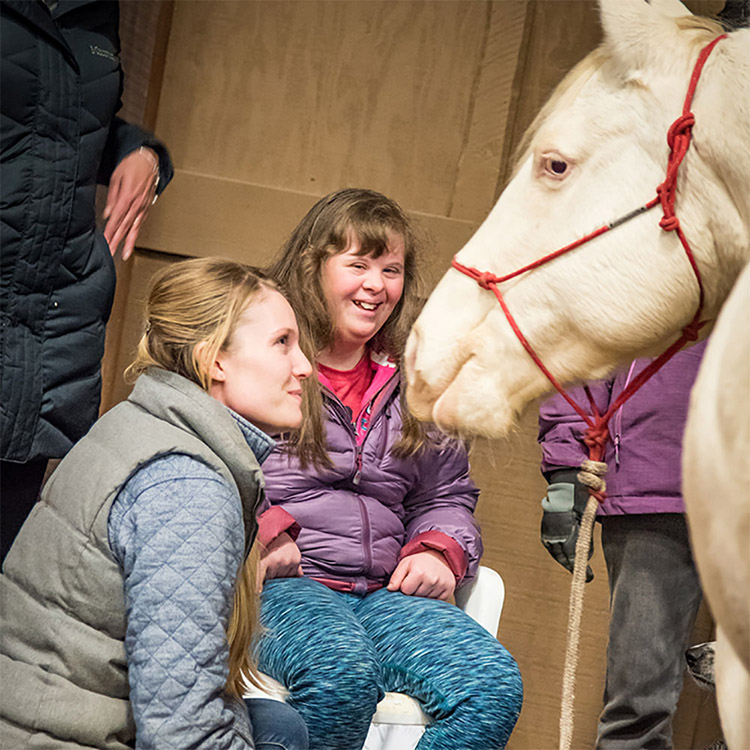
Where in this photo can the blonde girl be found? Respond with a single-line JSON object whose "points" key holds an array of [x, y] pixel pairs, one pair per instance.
{"points": [[119, 633]]}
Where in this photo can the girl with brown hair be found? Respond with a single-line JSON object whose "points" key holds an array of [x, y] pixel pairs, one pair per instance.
{"points": [[369, 524], [135, 627]]}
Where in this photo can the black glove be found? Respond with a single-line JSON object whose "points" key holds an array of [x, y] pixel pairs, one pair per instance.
{"points": [[563, 509]]}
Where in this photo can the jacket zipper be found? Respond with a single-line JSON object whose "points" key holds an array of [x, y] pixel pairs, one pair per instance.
{"points": [[343, 416], [358, 449], [618, 418], [357, 464], [365, 534]]}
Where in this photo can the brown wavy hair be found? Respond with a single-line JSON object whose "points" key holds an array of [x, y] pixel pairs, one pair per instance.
{"points": [[196, 302], [326, 230]]}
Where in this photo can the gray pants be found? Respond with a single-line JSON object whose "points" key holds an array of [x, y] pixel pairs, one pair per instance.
{"points": [[654, 598]]}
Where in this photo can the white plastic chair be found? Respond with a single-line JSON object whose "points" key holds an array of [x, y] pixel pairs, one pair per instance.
{"points": [[399, 720]]}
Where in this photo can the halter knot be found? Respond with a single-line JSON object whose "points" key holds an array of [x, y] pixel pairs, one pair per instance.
{"points": [[669, 223], [596, 435], [485, 279], [680, 128], [666, 194], [678, 138]]}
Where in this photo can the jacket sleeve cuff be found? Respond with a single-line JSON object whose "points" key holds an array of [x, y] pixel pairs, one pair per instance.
{"points": [[124, 138], [275, 521], [436, 540]]}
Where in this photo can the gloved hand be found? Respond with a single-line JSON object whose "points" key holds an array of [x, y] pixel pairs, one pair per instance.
{"points": [[563, 509]]}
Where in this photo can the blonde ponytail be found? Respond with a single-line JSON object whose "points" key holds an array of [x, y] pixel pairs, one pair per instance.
{"points": [[244, 627]]}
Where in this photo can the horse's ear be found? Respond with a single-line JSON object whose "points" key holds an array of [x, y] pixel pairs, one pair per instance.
{"points": [[671, 8], [638, 33]]}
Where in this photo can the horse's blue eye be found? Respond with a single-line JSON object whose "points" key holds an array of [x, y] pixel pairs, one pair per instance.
{"points": [[557, 166]]}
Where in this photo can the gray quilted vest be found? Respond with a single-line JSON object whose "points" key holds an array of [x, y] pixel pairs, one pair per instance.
{"points": [[62, 611]]}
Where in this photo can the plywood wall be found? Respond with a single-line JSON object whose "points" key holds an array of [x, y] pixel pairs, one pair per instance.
{"points": [[267, 105]]}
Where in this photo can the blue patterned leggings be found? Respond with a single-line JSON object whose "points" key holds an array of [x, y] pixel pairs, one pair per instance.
{"points": [[338, 653]]}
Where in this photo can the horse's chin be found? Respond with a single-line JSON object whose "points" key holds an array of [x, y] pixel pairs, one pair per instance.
{"points": [[467, 403], [461, 412]]}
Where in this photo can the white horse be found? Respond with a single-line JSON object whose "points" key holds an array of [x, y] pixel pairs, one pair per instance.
{"points": [[596, 151]]}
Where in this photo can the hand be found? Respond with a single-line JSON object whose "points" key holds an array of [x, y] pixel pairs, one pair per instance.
{"points": [[281, 559], [131, 192], [561, 521], [424, 574]]}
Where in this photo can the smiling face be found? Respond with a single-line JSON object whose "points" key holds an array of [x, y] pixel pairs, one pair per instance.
{"points": [[259, 373], [361, 292]]}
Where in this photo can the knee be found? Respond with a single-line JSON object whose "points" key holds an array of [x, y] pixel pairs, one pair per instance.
{"points": [[497, 688], [334, 677], [481, 703], [507, 676], [350, 683]]}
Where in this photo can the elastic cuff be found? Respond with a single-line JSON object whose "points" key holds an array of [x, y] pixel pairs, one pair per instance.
{"points": [[166, 169], [438, 541], [275, 521]]}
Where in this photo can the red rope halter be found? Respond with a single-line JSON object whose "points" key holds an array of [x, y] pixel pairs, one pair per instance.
{"points": [[678, 137]]}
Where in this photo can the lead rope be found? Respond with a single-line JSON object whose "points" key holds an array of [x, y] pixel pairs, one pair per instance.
{"points": [[593, 470]]}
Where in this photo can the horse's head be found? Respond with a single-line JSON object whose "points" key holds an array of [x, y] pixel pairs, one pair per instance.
{"points": [[596, 151]]}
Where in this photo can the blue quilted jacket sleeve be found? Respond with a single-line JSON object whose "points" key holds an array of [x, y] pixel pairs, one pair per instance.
{"points": [[176, 529]]}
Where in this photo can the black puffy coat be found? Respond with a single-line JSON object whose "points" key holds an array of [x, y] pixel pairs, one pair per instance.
{"points": [[59, 136]]}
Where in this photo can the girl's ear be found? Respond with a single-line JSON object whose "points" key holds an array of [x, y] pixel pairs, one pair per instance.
{"points": [[214, 370]]}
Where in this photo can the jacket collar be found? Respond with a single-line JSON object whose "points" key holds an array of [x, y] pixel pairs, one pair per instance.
{"points": [[260, 443], [384, 383], [385, 369]]}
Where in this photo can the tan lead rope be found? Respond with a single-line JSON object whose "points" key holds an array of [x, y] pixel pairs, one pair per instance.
{"points": [[592, 475]]}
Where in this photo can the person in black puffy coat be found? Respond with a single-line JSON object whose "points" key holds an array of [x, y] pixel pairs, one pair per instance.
{"points": [[59, 136]]}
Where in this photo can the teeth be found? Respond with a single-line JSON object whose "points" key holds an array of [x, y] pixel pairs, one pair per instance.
{"points": [[365, 305]]}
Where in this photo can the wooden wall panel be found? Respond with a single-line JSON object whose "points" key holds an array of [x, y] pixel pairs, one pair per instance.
{"points": [[310, 96], [534, 622], [142, 37], [558, 35], [266, 106], [409, 98], [207, 215], [481, 155]]}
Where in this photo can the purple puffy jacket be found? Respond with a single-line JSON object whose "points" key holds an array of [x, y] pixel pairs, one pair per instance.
{"points": [[645, 451], [356, 520]]}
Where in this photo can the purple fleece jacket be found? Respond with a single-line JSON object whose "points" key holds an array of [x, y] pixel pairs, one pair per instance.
{"points": [[356, 519], [645, 451]]}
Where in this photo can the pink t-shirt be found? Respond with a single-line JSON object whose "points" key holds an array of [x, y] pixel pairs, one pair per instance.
{"points": [[350, 386]]}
